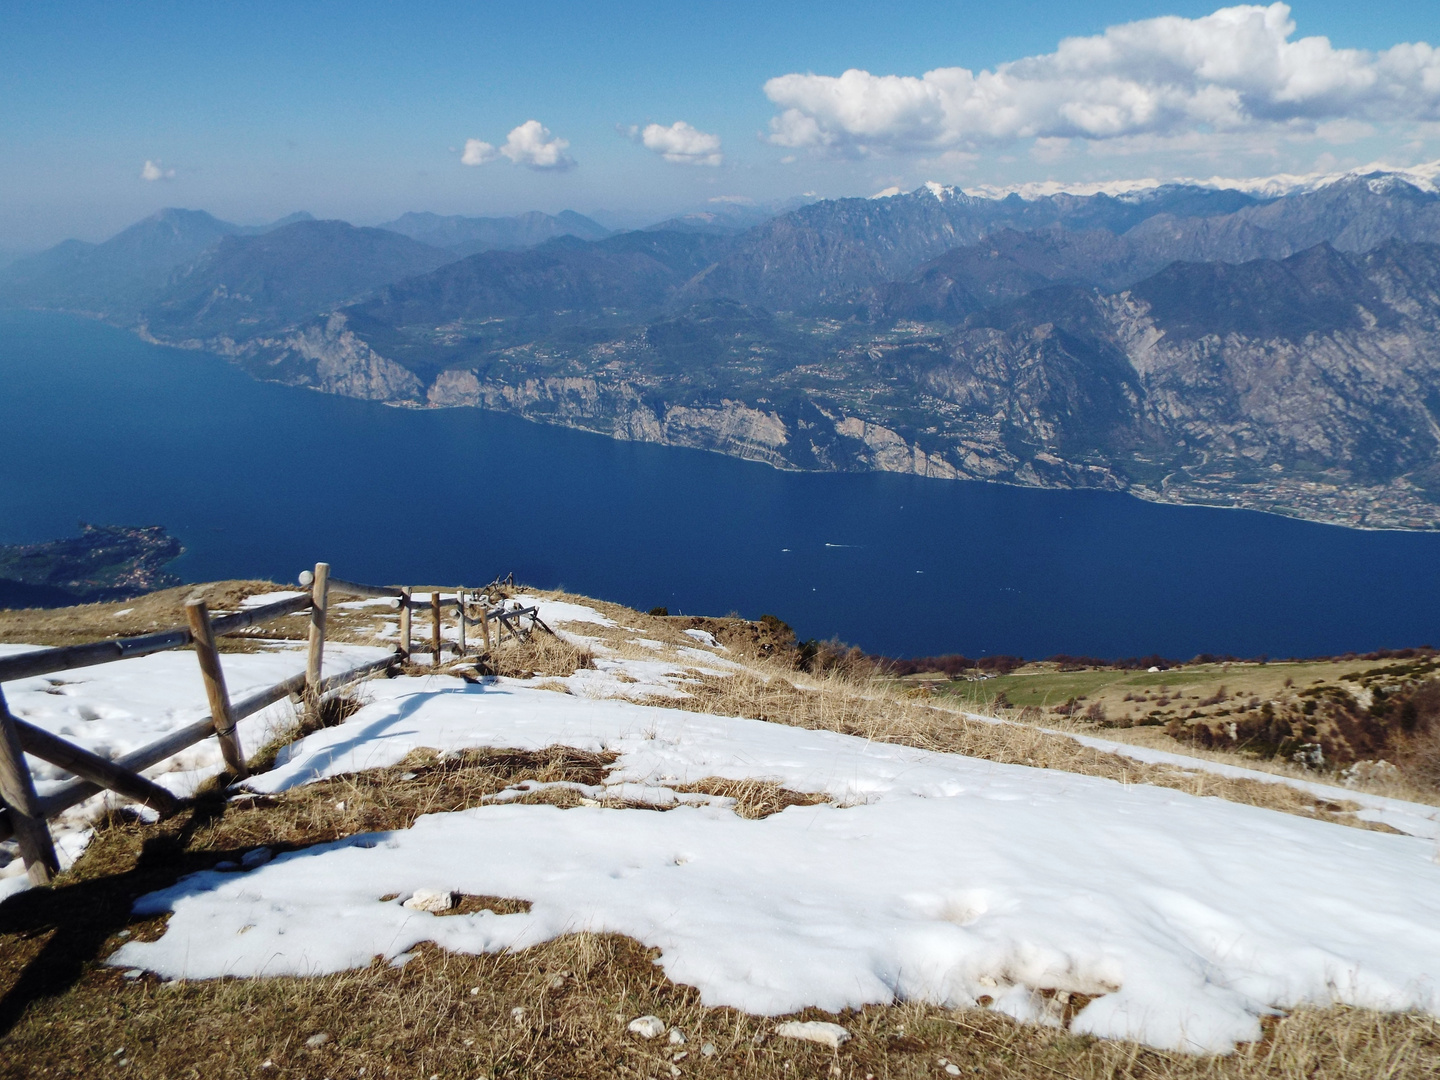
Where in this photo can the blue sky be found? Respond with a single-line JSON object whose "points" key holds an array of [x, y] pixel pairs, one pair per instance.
{"points": [[363, 110]]}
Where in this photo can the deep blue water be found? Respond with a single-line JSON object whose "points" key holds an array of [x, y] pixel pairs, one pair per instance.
{"points": [[261, 481]]}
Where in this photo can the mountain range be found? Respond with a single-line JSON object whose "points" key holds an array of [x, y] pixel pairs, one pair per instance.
{"points": [[1186, 343]]}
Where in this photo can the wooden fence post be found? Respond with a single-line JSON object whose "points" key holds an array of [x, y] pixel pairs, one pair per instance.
{"points": [[485, 620], [435, 623], [204, 635], [460, 607], [405, 622], [319, 589], [18, 790]]}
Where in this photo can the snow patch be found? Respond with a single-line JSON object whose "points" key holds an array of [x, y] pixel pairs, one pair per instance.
{"points": [[558, 611], [929, 876]]}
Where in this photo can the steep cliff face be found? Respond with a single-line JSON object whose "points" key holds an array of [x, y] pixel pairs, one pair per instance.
{"points": [[617, 409], [328, 356]]}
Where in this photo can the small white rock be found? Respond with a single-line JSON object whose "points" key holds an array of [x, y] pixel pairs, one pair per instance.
{"points": [[677, 1037], [320, 1038], [647, 1027], [134, 973], [831, 1035], [953, 1070], [430, 900], [257, 857], [708, 1050], [517, 1014]]}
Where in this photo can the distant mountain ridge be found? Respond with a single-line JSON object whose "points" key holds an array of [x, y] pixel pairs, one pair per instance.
{"points": [[247, 285], [116, 277], [469, 235], [1185, 343]]}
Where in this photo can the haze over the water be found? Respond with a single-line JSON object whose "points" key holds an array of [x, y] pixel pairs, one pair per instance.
{"points": [[365, 111]]}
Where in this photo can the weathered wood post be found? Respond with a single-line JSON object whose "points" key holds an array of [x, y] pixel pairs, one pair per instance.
{"points": [[203, 634], [319, 590], [17, 788], [485, 620], [405, 622], [435, 623], [460, 608]]}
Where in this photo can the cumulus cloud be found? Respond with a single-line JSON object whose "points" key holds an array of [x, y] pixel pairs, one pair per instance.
{"points": [[153, 170], [1240, 69], [478, 152], [531, 144], [680, 143]]}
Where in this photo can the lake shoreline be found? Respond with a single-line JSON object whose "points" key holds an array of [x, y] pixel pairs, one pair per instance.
{"points": [[259, 481]]}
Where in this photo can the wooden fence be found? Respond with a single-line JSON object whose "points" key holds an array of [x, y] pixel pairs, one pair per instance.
{"points": [[25, 814]]}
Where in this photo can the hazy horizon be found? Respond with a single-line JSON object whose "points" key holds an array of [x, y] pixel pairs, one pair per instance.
{"points": [[363, 112]]}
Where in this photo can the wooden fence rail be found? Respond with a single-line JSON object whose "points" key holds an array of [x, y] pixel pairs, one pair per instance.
{"points": [[24, 814]]}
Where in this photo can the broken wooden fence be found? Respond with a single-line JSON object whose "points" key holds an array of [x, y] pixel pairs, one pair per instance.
{"points": [[472, 607], [25, 813]]}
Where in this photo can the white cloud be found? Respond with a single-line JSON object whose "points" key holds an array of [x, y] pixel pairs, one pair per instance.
{"points": [[531, 144], [153, 170], [680, 143], [478, 152], [1236, 70]]}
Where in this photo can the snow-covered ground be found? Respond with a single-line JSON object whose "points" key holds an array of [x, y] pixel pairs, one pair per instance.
{"points": [[112, 709], [927, 876]]}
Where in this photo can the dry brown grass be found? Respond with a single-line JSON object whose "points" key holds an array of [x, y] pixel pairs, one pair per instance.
{"points": [[122, 618], [536, 656], [753, 798], [165, 609], [453, 1015], [871, 708]]}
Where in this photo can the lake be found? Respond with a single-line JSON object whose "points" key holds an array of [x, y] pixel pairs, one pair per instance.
{"points": [[259, 480]]}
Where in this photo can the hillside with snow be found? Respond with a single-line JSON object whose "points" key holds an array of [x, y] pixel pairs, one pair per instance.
{"points": [[892, 873]]}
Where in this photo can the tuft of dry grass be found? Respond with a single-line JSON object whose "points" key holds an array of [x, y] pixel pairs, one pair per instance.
{"points": [[536, 656], [753, 798]]}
